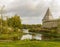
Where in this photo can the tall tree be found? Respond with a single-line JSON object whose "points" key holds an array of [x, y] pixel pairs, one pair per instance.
{"points": [[14, 21]]}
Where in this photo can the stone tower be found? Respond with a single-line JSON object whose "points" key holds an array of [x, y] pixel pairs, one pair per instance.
{"points": [[48, 16], [47, 20]]}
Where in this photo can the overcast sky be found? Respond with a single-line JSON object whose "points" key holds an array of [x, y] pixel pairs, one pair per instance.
{"points": [[31, 11]]}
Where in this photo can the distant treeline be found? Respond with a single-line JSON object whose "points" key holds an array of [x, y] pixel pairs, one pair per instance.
{"points": [[27, 26]]}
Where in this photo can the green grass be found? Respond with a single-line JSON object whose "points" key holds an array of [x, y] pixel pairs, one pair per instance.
{"points": [[30, 44]]}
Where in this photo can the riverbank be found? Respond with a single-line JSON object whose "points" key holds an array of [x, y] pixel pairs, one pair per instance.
{"points": [[28, 43]]}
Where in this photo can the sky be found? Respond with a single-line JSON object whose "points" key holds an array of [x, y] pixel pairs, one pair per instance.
{"points": [[30, 11]]}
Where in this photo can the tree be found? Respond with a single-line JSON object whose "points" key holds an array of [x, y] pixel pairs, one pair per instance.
{"points": [[14, 22]]}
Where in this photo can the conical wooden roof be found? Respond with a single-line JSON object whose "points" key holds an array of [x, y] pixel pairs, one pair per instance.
{"points": [[48, 15]]}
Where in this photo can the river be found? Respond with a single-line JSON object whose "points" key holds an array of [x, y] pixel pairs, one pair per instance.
{"points": [[27, 35]]}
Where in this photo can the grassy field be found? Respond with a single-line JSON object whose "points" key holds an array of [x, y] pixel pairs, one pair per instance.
{"points": [[30, 44]]}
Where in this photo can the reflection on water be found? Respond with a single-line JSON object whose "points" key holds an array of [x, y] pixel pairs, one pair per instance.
{"points": [[30, 36], [27, 36], [38, 37]]}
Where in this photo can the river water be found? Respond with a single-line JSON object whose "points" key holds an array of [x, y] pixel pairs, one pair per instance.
{"points": [[27, 35]]}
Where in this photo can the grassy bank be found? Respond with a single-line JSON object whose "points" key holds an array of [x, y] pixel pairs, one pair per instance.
{"points": [[30, 44]]}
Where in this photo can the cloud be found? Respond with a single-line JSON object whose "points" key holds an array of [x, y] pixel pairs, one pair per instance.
{"points": [[31, 20], [27, 8], [31, 11]]}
